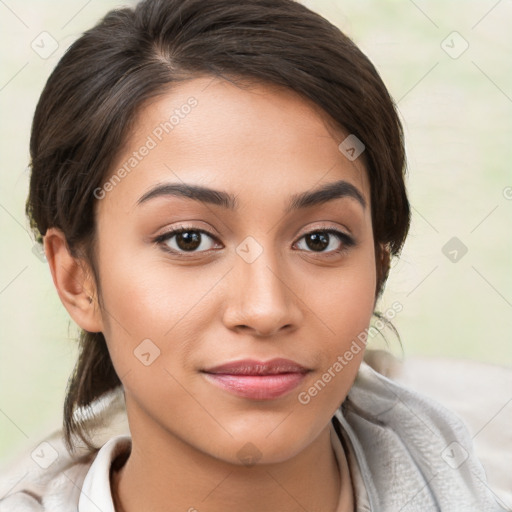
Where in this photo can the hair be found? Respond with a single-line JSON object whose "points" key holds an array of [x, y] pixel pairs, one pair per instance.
{"points": [[91, 99]]}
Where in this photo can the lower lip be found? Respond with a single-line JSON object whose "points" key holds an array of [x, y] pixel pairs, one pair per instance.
{"points": [[257, 387]]}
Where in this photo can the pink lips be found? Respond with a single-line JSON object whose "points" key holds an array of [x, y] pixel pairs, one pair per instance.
{"points": [[257, 380]]}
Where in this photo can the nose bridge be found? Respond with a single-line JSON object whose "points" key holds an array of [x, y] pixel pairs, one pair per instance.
{"points": [[262, 300]]}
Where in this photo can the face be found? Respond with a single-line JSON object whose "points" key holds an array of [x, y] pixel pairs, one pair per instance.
{"points": [[256, 274]]}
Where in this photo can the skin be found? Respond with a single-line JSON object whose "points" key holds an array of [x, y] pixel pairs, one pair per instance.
{"points": [[211, 306]]}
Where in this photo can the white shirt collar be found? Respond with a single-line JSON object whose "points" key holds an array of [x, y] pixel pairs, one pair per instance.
{"points": [[96, 495]]}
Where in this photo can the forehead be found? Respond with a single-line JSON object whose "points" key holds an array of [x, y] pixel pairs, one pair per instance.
{"points": [[256, 140]]}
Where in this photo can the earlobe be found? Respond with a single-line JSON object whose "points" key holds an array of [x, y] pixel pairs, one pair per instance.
{"points": [[74, 283]]}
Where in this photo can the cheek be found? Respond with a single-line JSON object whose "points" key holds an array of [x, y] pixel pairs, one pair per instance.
{"points": [[145, 298], [346, 311], [347, 298], [345, 304], [350, 304]]}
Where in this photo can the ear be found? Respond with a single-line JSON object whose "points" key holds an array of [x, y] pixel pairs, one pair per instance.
{"points": [[74, 282]]}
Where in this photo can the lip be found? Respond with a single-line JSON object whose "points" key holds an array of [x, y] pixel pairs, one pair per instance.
{"points": [[257, 380], [255, 367]]}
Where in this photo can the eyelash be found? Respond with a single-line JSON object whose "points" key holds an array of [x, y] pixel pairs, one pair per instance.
{"points": [[345, 239]]}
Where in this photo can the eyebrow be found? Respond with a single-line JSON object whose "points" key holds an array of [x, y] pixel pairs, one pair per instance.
{"points": [[308, 199]]}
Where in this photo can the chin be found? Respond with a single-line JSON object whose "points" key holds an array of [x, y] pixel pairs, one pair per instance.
{"points": [[265, 443]]}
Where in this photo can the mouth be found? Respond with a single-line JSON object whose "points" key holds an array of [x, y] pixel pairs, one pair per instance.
{"points": [[257, 380]]}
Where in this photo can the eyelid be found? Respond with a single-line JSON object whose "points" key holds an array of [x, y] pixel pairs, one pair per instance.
{"points": [[328, 227]]}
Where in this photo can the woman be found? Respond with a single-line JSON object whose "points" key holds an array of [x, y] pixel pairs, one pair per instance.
{"points": [[219, 188]]}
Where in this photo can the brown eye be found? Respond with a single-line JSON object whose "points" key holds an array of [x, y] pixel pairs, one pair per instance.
{"points": [[317, 241], [332, 239], [188, 240], [185, 240]]}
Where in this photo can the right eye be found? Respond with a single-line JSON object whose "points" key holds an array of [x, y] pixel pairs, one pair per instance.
{"points": [[184, 240]]}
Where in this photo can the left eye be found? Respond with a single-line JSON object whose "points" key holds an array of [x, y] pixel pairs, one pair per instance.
{"points": [[329, 239]]}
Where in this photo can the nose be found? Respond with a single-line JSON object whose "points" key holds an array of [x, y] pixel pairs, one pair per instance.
{"points": [[261, 298]]}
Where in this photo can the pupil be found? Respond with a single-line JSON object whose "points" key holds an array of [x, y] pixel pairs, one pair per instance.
{"points": [[188, 240], [318, 241]]}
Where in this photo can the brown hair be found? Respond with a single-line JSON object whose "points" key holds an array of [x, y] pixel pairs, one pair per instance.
{"points": [[91, 98]]}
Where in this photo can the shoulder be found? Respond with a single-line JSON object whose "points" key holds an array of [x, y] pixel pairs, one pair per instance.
{"points": [[416, 452], [46, 476]]}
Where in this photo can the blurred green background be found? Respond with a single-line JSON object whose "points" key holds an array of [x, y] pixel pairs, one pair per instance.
{"points": [[448, 66]]}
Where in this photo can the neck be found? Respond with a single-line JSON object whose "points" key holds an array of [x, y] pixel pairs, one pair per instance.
{"points": [[166, 474]]}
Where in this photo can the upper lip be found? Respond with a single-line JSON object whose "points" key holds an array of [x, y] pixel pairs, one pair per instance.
{"points": [[254, 367]]}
